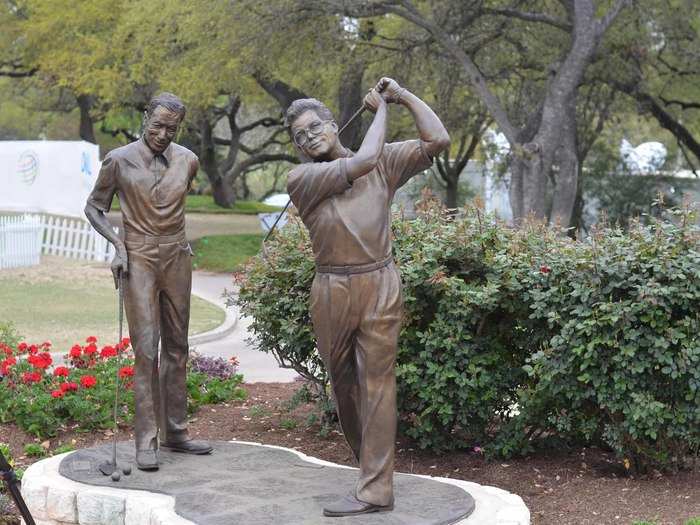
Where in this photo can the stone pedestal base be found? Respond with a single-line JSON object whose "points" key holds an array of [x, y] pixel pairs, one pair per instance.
{"points": [[246, 484]]}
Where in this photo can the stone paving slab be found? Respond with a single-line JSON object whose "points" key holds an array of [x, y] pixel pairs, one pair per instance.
{"points": [[253, 485], [56, 500]]}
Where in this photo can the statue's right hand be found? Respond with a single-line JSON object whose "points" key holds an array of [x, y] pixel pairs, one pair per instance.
{"points": [[119, 265], [373, 100]]}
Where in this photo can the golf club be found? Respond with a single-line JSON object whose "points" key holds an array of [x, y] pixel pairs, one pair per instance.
{"points": [[110, 468]]}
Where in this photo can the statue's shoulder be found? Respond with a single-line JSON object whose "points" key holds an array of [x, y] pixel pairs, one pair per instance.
{"points": [[179, 150], [123, 152]]}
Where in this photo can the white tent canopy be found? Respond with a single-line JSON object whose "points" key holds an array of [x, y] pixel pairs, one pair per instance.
{"points": [[53, 177]]}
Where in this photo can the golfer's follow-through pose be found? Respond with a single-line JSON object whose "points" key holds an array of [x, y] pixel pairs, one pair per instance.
{"points": [[152, 177], [344, 200]]}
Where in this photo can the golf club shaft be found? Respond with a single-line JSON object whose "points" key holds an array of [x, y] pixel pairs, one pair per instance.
{"points": [[116, 384]]}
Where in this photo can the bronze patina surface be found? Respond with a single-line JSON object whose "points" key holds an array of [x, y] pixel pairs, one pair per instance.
{"points": [[344, 200], [151, 178]]}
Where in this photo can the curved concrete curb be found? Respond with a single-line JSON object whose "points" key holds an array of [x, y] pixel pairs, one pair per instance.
{"points": [[221, 331], [56, 500]]}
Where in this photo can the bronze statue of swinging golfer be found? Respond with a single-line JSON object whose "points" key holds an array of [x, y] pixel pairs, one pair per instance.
{"points": [[152, 176], [344, 200]]}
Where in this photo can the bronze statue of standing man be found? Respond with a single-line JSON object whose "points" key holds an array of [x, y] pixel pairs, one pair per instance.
{"points": [[344, 200], [152, 176]]}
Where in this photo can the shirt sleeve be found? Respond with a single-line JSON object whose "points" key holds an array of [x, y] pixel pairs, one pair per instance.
{"points": [[106, 185], [403, 160], [309, 184], [194, 168]]}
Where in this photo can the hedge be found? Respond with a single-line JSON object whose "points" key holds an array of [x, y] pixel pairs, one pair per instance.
{"points": [[515, 336]]}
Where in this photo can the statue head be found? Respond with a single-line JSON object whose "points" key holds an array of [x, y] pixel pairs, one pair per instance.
{"points": [[312, 127], [163, 116]]}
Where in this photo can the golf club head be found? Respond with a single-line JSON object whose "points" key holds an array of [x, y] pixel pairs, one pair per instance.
{"points": [[107, 468]]}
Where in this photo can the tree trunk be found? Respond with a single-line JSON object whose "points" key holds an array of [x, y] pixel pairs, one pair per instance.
{"points": [[451, 191], [87, 129], [350, 95], [566, 176], [222, 190]]}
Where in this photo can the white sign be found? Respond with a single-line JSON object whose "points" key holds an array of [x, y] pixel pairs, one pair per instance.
{"points": [[53, 177]]}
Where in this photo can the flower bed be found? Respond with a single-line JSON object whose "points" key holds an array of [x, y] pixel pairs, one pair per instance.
{"points": [[42, 398]]}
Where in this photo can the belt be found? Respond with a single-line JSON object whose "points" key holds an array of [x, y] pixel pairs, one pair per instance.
{"points": [[154, 239], [354, 268]]}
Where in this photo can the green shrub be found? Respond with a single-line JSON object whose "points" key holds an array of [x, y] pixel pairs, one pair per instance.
{"points": [[34, 450], [8, 334], [510, 334]]}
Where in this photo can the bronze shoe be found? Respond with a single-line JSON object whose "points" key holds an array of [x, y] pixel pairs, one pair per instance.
{"points": [[351, 506], [191, 446], [147, 459]]}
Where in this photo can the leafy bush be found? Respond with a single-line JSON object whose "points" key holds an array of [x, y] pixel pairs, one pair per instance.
{"points": [[41, 398], [213, 380], [514, 334]]}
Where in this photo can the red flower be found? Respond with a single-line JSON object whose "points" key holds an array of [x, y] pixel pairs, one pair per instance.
{"points": [[22, 347], [6, 349], [31, 377], [75, 351], [33, 349], [545, 269], [126, 371], [41, 361], [108, 351], [46, 344], [90, 349], [69, 387], [88, 381], [6, 364], [61, 371], [126, 342], [57, 393], [91, 339]]}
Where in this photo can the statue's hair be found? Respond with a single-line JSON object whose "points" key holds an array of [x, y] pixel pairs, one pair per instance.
{"points": [[301, 105], [168, 101]]}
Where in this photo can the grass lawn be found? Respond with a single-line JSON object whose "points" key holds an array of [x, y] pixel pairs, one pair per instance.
{"points": [[205, 204], [64, 301], [225, 253]]}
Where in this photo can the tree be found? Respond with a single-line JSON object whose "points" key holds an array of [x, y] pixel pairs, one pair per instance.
{"points": [[534, 143]]}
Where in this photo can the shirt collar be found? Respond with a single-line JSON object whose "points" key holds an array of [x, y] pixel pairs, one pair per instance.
{"points": [[148, 155]]}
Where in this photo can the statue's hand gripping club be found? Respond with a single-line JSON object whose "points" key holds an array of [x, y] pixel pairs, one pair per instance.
{"points": [[120, 265], [390, 90]]}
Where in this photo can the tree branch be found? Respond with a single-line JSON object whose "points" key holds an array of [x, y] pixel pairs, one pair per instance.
{"points": [[532, 17], [681, 103], [609, 18]]}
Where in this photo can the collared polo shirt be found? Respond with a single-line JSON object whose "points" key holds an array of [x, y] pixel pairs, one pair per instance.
{"points": [[350, 224], [151, 187]]}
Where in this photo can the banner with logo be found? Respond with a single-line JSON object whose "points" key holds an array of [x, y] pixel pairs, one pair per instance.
{"points": [[52, 177]]}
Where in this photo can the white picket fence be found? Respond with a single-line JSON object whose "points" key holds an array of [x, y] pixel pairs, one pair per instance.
{"points": [[24, 238], [20, 241]]}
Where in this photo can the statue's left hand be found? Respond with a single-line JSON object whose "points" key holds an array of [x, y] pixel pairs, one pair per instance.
{"points": [[119, 265], [390, 89]]}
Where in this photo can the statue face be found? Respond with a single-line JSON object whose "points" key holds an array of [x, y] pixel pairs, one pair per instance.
{"points": [[161, 128], [314, 136]]}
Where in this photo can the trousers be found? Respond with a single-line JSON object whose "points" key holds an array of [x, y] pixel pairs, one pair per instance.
{"points": [[157, 303], [356, 319]]}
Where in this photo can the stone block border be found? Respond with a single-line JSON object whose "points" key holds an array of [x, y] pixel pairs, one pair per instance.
{"points": [[55, 500]]}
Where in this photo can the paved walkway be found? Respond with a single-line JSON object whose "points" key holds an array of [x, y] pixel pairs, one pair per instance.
{"points": [[230, 338]]}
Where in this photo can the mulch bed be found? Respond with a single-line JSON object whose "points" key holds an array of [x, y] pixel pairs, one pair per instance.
{"points": [[578, 487]]}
